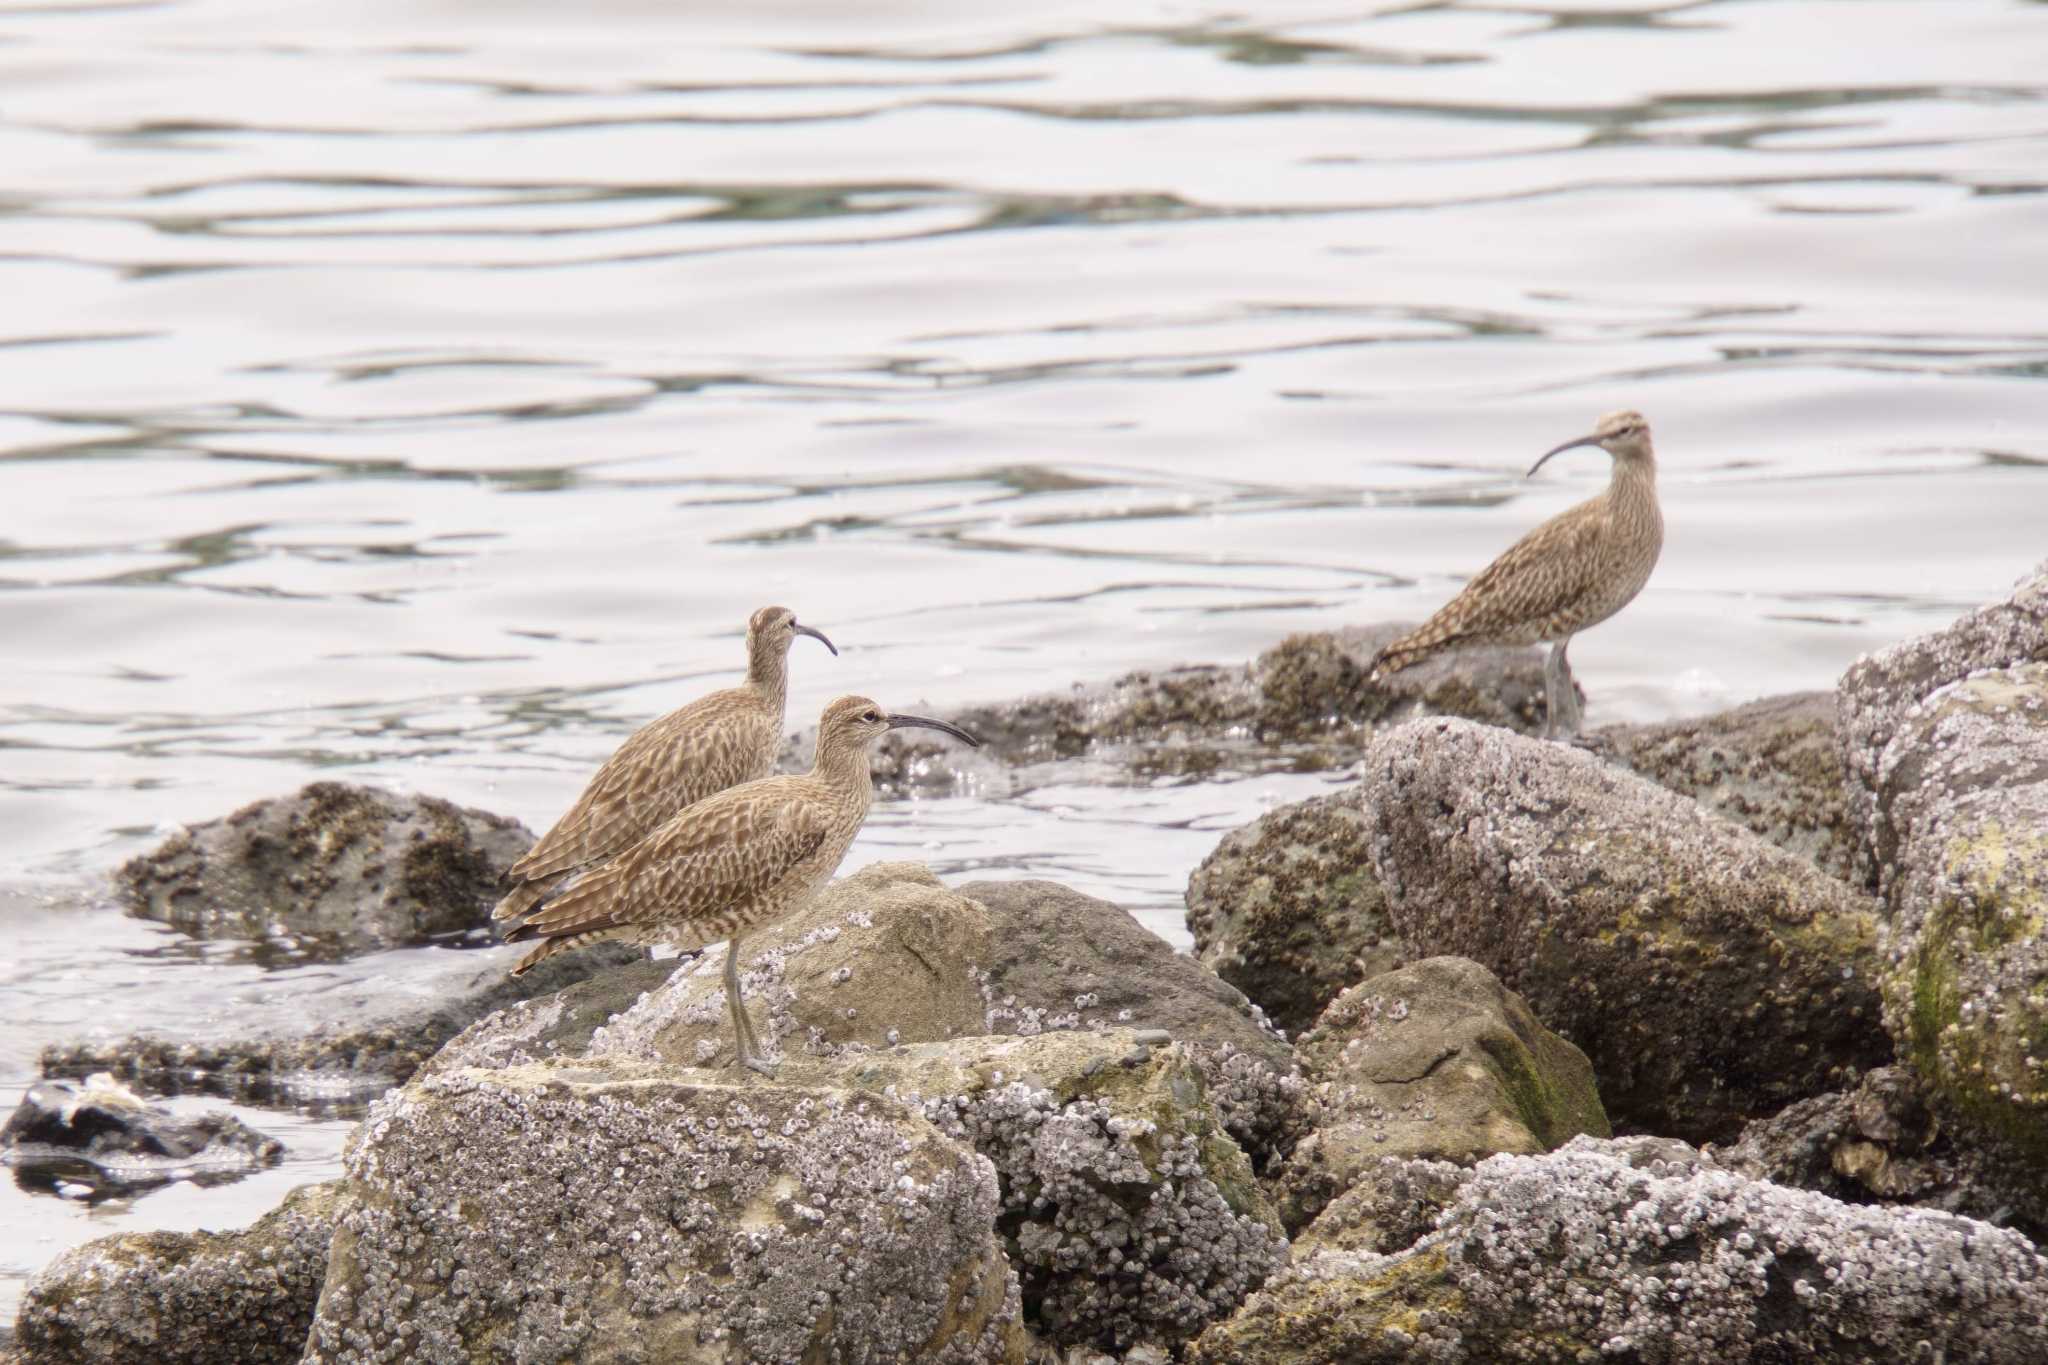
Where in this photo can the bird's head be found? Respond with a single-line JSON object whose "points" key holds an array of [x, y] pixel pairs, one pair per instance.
{"points": [[852, 723], [1624, 435], [772, 630]]}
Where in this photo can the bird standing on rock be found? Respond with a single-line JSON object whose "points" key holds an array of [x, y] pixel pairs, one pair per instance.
{"points": [[735, 861], [1572, 572], [717, 741]]}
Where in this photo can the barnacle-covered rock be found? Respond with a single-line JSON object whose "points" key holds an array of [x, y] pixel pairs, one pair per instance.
{"points": [[176, 1298], [613, 1211], [888, 957], [1961, 823], [1710, 976], [1129, 1213], [333, 867], [1591, 1253], [1880, 690], [1064, 960], [1772, 766], [1289, 910], [1435, 1060]]}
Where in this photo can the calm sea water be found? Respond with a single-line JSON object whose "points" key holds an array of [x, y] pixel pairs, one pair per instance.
{"points": [[423, 393]]}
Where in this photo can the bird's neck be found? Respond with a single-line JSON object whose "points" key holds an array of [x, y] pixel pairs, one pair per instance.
{"points": [[842, 765], [1632, 494], [1634, 477], [768, 676]]}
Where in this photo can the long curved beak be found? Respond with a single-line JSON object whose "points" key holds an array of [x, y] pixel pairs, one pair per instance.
{"points": [[898, 721], [1559, 450], [817, 635]]}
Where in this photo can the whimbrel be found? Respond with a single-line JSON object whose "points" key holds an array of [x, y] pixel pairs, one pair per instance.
{"points": [[717, 741], [732, 862], [1572, 572]]}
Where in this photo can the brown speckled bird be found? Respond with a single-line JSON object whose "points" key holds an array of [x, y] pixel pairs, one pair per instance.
{"points": [[732, 862], [718, 741], [1572, 572]]}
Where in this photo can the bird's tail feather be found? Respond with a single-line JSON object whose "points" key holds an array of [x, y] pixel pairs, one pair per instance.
{"points": [[521, 900], [547, 948]]}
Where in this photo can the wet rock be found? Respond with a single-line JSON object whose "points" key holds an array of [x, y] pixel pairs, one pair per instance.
{"points": [[1961, 819], [1304, 704], [369, 1025], [1710, 977], [176, 1298], [106, 1136], [1583, 1254], [1883, 1142], [339, 868], [1875, 696], [1436, 1060], [1289, 910], [1313, 683], [606, 1210], [1772, 766], [1131, 1216], [888, 956]]}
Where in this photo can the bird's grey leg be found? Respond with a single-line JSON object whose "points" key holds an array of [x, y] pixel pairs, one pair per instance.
{"points": [[744, 1043], [1560, 695]]}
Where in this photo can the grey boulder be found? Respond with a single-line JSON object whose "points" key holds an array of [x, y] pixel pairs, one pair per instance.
{"points": [[1875, 696], [336, 868], [1711, 977]]}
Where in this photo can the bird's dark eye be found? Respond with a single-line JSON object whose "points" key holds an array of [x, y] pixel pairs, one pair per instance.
{"points": [[872, 716]]}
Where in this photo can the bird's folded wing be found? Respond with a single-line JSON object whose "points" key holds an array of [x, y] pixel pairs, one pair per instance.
{"points": [[1542, 575], [724, 851], [658, 770]]}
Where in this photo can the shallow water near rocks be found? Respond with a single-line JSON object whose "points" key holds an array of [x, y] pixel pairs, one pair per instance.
{"points": [[423, 394]]}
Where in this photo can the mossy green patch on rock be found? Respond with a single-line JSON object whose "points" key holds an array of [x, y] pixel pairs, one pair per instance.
{"points": [[1336, 1310], [1986, 1053], [1962, 811], [1436, 1060]]}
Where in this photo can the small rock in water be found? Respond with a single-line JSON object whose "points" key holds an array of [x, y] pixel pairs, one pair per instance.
{"points": [[108, 1140]]}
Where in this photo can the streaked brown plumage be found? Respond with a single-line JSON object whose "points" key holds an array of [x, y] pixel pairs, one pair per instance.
{"points": [[718, 741], [1571, 573], [738, 859]]}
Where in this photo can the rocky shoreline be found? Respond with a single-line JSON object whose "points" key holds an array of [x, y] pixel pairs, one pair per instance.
{"points": [[1717, 1040]]}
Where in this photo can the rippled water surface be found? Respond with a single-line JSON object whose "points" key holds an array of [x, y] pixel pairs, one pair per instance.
{"points": [[424, 393]]}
